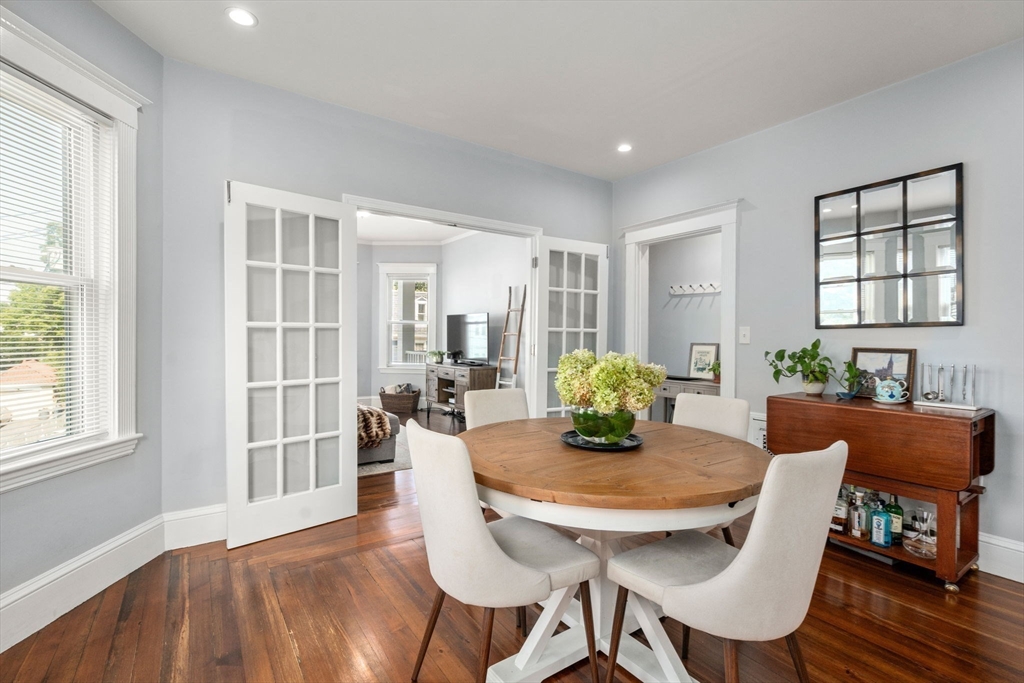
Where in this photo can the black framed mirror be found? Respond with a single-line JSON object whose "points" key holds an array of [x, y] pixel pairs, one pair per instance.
{"points": [[890, 254]]}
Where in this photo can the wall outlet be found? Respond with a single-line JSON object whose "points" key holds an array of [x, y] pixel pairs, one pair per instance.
{"points": [[744, 335]]}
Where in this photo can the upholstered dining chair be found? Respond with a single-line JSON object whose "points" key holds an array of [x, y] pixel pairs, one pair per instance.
{"points": [[759, 592], [486, 406], [727, 416], [507, 563]]}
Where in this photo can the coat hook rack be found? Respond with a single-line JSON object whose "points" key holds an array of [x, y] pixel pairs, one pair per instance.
{"points": [[695, 289]]}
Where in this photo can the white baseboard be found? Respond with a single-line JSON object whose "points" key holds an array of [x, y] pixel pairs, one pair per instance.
{"points": [[1001, 556], [29, 607], [195, 527]]}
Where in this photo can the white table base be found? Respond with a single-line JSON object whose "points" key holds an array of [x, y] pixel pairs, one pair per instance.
{"points": [[544, 653]]}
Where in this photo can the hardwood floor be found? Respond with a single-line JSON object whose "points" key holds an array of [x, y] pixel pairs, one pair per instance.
{"points": [[348, 601]]}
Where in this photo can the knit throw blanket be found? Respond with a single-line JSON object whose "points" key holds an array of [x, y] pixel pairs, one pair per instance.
{"points": [[374, 426]]}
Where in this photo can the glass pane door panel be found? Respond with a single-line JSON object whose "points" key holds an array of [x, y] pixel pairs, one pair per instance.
{"points": [[881, 301], [556, 269], [590, 272], [556, 305], [838, 259], [262, 414], [553, 400], [838, 304], [262, 355], [296, 467], [296, 411], [327, 462], [881, 254], [573, 317], [932, 197], [326, 298], [327, 349], [590, 311], [260, 243], [572, 341], [838, 215], [932, 247], [574, 271], [327, 419], [294, 238], [554, 348], [296, 353], [295, 295], [590, 341], [326, 242], [262, 473], [262, 295], [881, 207]]}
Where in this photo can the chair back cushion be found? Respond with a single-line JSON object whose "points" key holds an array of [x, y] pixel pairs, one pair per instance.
{"points": [[766, 590], [485, 406], [464, 558], [728, 416]]}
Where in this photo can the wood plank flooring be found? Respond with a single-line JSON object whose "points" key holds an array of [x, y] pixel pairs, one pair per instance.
{"points": [[348, 601]]}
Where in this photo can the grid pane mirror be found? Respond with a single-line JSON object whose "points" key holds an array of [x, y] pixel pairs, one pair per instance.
{"points": [[890, 254]]}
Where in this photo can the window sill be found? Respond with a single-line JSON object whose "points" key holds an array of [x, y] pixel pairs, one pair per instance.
{"points": [[37, 467], [411, 369]]}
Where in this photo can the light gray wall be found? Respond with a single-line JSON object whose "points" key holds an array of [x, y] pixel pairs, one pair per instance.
{"points": [[971, 111], [48, 523], [478, 272], [364, 317], [678, 321], [396, 254], [217, 127]]}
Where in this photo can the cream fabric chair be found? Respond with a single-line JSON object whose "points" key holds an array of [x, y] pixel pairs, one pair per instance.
{"points": [[727, 416], [508, 563], [486, 406], [759, 592]]}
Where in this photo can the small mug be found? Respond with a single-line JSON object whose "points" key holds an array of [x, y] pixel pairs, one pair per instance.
{"points": [[892, 390]]}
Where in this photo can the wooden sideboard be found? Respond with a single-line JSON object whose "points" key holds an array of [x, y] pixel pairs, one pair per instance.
{"points": [[921, 452], [447, 384], [673, 386]]}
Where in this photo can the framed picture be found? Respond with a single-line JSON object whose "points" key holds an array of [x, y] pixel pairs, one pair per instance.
{"points": [[701, 358], [884, 364]]}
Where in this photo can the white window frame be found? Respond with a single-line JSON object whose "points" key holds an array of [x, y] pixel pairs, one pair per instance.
{"points": [[32, 52], [428, 271]]}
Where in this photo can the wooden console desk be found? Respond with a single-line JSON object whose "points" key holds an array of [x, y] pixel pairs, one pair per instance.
{"points": [[673, 386], [921, 452], [447, 382]]}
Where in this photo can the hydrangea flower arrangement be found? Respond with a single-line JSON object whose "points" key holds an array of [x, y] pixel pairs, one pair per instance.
{"points": [[614, 383]]}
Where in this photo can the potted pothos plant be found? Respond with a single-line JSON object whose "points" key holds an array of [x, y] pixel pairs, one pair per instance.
{"points": [[716, 370], [814, 369]]}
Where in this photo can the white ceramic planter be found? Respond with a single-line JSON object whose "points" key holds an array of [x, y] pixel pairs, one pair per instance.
{"points": [[814, 388]]}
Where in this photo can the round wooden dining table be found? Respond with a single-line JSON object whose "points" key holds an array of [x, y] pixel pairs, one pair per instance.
{"points": [[680, 478]]}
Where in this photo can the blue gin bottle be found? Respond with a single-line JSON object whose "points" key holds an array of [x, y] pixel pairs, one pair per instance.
{"points": [[881, 528]]}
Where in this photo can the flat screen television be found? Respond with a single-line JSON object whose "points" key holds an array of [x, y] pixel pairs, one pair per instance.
{"points": [[467, 332]]}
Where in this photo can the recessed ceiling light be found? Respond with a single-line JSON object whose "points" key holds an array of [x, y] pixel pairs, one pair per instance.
{"points": [[242, 17], [825, 210], [362, 214], [625, 147]]}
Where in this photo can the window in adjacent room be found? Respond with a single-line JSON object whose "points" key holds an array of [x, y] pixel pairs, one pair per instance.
{"points": [[407, 312]]}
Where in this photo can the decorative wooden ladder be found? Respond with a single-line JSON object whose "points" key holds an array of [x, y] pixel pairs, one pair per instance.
{"points": [[505, 334]]}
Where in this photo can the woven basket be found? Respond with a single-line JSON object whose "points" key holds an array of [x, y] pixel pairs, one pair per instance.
{"points": [[400, 403]]}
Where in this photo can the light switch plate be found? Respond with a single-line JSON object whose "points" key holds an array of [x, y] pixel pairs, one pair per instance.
{"points": [[744, 335]]}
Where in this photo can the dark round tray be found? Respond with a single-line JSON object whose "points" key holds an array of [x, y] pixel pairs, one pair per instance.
{"points": [[572, 438]]}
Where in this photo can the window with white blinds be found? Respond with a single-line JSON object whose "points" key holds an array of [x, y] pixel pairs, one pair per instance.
{"points": [[57, 253]]}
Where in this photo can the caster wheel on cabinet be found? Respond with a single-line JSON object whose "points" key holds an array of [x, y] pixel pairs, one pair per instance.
{"points": [[952, 588], [975, 567]]}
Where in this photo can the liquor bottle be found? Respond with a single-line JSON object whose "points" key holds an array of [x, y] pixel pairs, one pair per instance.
{"points": [[858, 517], [840, 521], [881, 528], [896, 515]]}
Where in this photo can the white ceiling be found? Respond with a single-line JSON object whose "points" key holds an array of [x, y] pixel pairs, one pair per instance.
{"points": [[372, 228], [565, 82]]}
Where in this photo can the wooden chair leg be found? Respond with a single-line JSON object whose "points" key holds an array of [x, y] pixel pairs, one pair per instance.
{"points": [[732, 662], [684, 650], [588, 626], [727, 535], [485, 645], [619, 617], [435, 611], [519, 617], [798, 658], [524, 624]]}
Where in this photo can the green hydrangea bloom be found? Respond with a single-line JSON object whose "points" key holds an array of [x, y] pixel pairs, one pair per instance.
{"points": [[616, 382]]}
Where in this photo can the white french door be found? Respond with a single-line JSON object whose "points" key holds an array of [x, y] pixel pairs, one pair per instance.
{"points": [[572, 311], [290, 372]]}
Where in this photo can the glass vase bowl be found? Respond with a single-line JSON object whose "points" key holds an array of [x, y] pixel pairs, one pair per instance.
{"points": [[598, 427]]}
